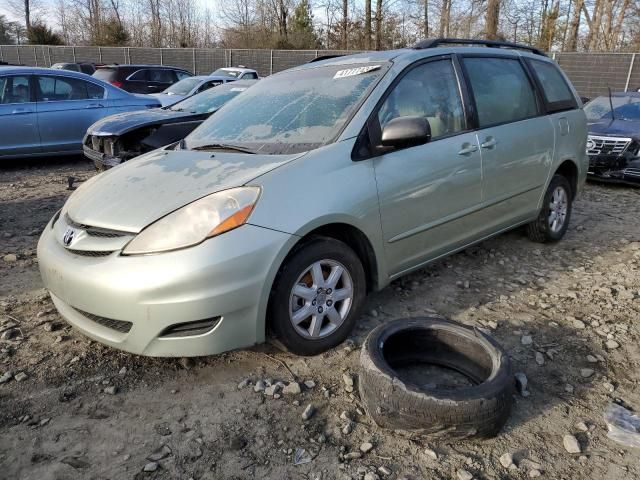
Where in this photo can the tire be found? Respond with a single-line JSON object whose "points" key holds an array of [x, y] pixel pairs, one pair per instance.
{"points": [[479, 410], [305, 338], [540, 230]]}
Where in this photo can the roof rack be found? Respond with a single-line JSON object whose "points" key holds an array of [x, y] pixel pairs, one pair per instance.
{"points": [[438, 42]]}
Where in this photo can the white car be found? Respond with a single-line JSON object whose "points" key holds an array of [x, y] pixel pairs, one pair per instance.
{"points": [[239, 73], [190, 86]]}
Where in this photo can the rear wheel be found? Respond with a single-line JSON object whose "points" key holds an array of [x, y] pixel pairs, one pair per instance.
{"points": [[317, 296], [553, 220]]}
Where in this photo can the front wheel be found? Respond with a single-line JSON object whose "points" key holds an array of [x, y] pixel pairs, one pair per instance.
{"points": [[553, 220], [317, 296]]}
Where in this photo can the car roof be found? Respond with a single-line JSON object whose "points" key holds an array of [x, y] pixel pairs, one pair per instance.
{"points": [[45, 71], [133, 65], [415, 53], [209, 77], [237, 69]]}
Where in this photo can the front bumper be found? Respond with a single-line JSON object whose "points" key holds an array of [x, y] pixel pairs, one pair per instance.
{"points": [[226, 278], [623, 169], [102, 161]]}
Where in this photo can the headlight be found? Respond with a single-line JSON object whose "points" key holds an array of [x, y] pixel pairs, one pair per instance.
{"points": [[194, 223]]}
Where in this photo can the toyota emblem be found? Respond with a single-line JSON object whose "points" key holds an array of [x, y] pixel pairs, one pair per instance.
{"points": [[68, 236]]}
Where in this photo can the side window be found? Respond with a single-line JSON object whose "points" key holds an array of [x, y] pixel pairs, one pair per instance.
{"points": [[139, 76], [431, 91], [556, 91], [58, 89], [88, 69], [250, 76], [94, 91], [182, 75], [208, 85], [502, 90], [15, 89], [161, 76]]}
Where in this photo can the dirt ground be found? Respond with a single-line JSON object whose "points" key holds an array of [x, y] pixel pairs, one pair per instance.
{"points": [[87, 411]]}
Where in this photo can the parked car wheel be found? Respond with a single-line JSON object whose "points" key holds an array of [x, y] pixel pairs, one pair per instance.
{"points": [[397, 402], [553, 220], [317, 296]]}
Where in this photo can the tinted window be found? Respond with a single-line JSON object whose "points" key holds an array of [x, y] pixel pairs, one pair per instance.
{"points": [[555, 88], [250, 76], [94, 91], [293, 111], [86, 68], [182, 75], [106, 74], [57, 89], [139, 76], [15, 89], [161, 76], [501, 89], [430, 91], [208, 85]]}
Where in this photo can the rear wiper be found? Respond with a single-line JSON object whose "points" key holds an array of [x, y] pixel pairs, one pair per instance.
{"points": [[223, 146]]}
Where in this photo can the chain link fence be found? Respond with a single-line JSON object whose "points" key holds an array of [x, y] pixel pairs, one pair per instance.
{"points": [[591, 73]]}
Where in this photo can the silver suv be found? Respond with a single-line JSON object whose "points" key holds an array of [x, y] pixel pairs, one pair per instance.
{"points": [[312, 188]]}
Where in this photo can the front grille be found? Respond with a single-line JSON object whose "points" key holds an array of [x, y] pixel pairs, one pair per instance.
{"points": [[94, 231], [607, 145], [90, 253], [117, 325], [189, 329]]}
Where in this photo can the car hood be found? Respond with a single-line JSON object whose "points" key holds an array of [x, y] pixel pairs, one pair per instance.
{"points": [[121, 123], [132, 195], [618, 128], [165, 99]]}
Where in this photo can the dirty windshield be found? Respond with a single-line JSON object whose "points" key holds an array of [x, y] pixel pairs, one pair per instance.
{"points": [[291, 112], [625, 107], [209, 100]]}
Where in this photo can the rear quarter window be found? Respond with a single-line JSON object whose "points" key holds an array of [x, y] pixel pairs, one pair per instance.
{"points": [[558, 95]]}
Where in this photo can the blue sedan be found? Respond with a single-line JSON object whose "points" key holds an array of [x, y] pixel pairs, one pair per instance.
{"points": [[47, 112]]}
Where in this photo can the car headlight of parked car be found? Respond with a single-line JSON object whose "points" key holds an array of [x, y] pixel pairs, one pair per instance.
{"points": [[190, 225]]}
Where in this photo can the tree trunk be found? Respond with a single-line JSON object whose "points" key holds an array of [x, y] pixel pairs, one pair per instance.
{"points": [[378, 24], [594, 25], [572, 40], [27, 15], [367, 25], [425, 26], [445, 12], [493, 16], [345, 17], [618, 26]]}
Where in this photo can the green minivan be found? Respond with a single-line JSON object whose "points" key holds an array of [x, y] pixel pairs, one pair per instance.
{"points": [[311, 189]]}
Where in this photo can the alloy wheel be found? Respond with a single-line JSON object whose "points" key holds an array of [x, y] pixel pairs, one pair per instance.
{"points": [[321, 299], [558, 208]]}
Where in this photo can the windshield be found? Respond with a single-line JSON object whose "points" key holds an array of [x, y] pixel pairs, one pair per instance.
{"points": [[227, 73], [291, 112], [209, 100], [183, 87], [624, 108]]}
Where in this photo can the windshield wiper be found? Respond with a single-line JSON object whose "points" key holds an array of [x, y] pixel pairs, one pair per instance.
{"points": [[223, 146]]}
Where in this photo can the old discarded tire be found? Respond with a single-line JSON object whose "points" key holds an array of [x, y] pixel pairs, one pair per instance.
{"points": [[479, 409]]}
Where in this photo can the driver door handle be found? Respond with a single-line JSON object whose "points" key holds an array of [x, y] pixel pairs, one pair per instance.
{"points": [[489, 143], [468, 149], [94, 105], [21, 110]]}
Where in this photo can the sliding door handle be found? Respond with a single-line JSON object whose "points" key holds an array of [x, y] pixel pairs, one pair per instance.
{"points": [[489, 143], [468, 149]]}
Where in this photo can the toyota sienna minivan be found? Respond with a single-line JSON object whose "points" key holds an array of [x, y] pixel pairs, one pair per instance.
{"points": [[312, 188]]}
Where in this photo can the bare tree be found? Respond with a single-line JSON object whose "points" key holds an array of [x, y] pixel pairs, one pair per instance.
{"points": [[367, 25]]}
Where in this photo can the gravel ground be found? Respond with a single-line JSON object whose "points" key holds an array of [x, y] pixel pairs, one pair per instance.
{"points": [[71, 408]]}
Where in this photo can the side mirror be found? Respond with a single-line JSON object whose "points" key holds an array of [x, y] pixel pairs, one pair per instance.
{"points": [[406, 131]]}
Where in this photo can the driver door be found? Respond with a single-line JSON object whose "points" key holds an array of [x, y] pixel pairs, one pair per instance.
{"points": [[428, 193]]}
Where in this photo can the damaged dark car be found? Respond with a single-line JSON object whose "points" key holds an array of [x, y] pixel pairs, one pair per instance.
{"points": [[613, 144], [121, 137]]}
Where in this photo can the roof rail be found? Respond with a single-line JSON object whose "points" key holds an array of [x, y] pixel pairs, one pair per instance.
{"points": [[438, 42]]}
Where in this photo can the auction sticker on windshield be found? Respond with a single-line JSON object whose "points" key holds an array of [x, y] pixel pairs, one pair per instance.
{"points": [[350, 72]]}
